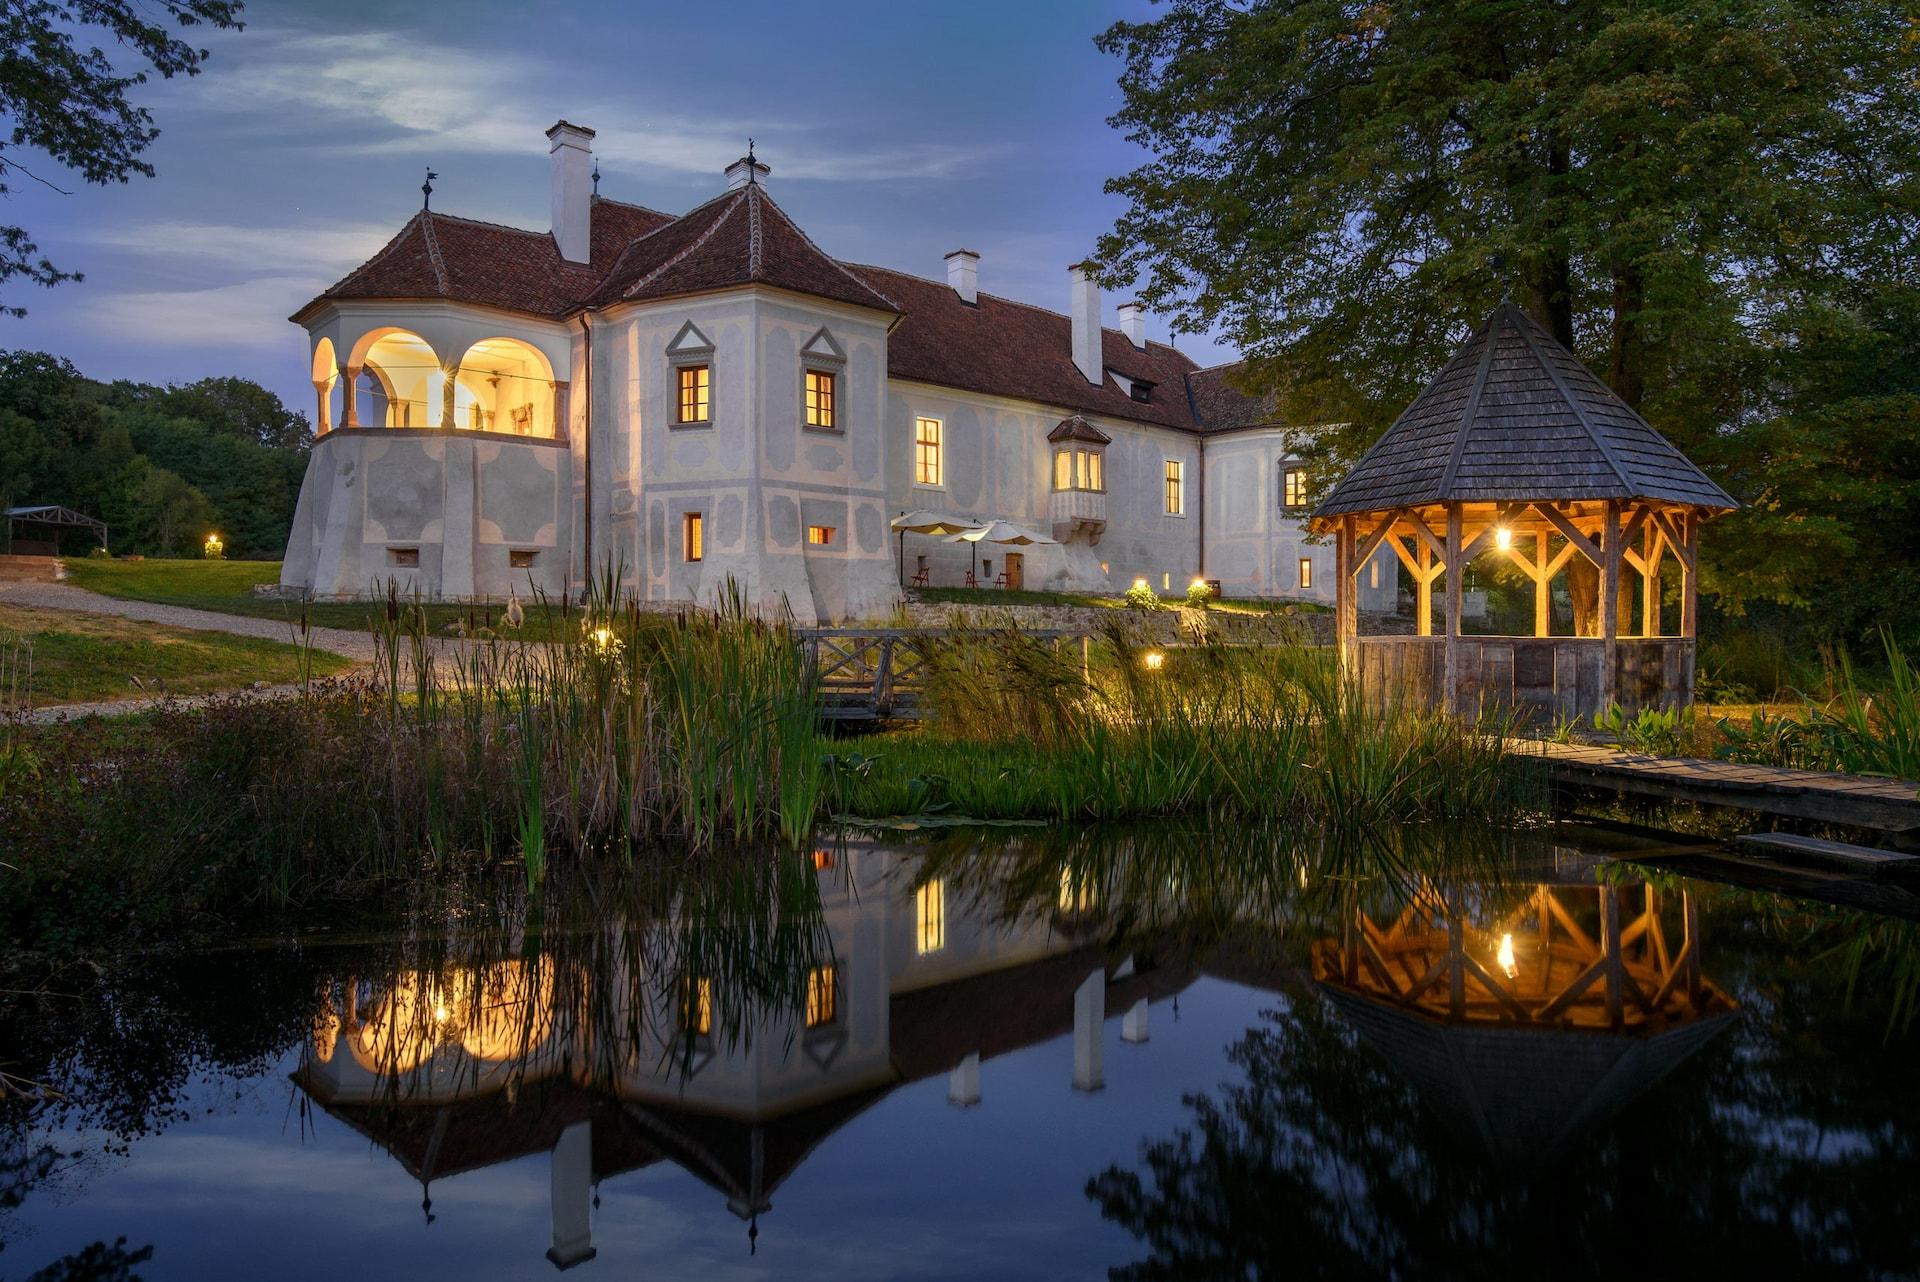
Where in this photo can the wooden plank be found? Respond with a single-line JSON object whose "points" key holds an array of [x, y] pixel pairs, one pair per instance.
{"points": [[1832, 854]]}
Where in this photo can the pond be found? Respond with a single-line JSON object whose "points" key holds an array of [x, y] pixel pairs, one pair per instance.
{"points": [[1183, 1052]]}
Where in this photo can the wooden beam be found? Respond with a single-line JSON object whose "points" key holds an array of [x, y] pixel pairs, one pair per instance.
{"points": [[1650, 581], [1689, 547], [1674, 535], [1573, 536], [1542, 594], [1423, 585], [1372, 543], [1610, 601], [1406, 557], [1426, 535], [1346, 613], [1455, 564]]}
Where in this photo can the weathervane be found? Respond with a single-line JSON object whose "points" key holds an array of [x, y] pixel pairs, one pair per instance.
{"points": [[426, 190], [752, 164]]}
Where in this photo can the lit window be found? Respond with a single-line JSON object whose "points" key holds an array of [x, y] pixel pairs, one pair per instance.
{"points": [[820, 535], [931, 903], [819, 399], [1373, 573], [696, 1006], [693, 542], [926, 451], [1078, 470], [1063, 470], [823, 859], [1306, 572], [1175, 498], [693, 396], [1293, 487], [823, 998], [1094, 479]]}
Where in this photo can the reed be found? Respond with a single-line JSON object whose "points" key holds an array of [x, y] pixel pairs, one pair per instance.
{"points": [[1867, 728]]}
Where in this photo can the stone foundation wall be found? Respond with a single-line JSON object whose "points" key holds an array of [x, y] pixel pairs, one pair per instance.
{"points": [[1161, 626]]}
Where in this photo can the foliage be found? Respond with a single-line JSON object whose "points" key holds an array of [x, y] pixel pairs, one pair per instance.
{"points": [[1860, 730], [161, 466], [71, 102], [1199, 595], [1141, 597], [1714, 204], [1654, 731]]}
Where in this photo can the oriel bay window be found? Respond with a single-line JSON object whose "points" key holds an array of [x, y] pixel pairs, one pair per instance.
{"points": [[694, 404], [926, 452], [820, 385], [1078, 469]]}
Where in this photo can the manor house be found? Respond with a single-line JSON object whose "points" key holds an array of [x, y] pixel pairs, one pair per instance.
{"points": [[710, 395]]}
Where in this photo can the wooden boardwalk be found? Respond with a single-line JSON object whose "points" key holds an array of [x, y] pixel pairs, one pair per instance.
{"points": [[1888, 805]]}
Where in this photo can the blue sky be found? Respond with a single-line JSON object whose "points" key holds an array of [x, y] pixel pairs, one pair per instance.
{"points": [[896, 132]]}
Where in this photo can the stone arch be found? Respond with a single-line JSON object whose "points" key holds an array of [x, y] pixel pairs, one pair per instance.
{"points": [[326, 383], [505, 385], [410, 377]]}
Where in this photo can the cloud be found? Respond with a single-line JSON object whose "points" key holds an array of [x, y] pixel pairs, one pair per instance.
{"points": [[246, 314], [367, 94]]}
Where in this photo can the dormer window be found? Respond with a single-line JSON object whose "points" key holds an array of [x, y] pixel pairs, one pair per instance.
{"points": [[1141, 391]]}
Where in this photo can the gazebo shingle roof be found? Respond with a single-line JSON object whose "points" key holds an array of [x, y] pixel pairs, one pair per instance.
{"points": [[1515, 416]]}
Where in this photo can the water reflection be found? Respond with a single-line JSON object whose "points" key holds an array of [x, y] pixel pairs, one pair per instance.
{"points": [[1478, 1049]]}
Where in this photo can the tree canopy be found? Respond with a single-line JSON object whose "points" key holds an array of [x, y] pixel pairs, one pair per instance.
{"points": [[69, 100], [162, 466], [1713, 202]]}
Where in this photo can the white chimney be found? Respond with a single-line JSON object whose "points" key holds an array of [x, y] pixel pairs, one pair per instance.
{"points": [[1133, 323], [738, 172], [1086, 325], [963, 273], [571, 159]]}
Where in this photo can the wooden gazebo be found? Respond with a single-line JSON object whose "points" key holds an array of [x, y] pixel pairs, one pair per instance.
{"points": [[1516, 448]]}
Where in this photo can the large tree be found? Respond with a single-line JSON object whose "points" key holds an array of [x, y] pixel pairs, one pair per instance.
{"points": [[67, 99], [1682, 192]]}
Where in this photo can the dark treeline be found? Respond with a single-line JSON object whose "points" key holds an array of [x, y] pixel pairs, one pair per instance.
{"points": [[162, 466]]}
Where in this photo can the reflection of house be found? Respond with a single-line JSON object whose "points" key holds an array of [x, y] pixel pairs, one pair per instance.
{"points": [[712, 394], [1521, 1033], [487, 1065]]}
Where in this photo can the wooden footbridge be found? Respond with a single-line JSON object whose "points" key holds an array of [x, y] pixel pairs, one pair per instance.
{"points": [[1890, 806], [876, 674]]}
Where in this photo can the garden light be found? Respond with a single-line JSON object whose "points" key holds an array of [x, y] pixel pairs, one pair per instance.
{"points": [[1154, 659], [1505, 957], [215, 549]]}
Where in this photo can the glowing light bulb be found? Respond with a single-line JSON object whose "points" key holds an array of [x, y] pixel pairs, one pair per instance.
{"points": [[1140, 584], [1154, 659], [1505, 957], [440, 1014], [1503, 538]]}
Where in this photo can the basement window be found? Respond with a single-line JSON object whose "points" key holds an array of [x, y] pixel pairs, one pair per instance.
{"points": [[820, 535], [521, 558], [404, 558]]}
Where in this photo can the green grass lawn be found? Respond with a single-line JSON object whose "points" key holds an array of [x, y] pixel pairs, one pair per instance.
{"points": [[85, 658], [226, 587]]}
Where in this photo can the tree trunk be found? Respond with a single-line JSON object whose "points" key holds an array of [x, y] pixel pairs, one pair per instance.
{"points": [[1550, 284], [1583, 585], [1626, 371]]}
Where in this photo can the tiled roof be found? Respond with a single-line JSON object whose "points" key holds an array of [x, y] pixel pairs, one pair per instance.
{"points": [[1516, 416], [742, 238], [1220, 406], [438, 255], [1078, 429], [994, 346], [1012, 349]]}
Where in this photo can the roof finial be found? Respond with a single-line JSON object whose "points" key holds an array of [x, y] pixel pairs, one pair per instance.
{"points": [[426, 190], [596, 175], [752, 164]]}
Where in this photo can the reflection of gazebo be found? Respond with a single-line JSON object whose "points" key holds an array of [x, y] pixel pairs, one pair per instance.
{"points": [[1515, 448], [1553, 1018]]}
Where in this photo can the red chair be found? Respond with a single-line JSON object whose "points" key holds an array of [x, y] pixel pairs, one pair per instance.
{"points": [[923, 577], [971, 581], [1001, 580]]}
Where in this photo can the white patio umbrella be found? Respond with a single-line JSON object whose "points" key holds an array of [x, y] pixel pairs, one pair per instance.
{"points": [[999, 532], [923, 521]]}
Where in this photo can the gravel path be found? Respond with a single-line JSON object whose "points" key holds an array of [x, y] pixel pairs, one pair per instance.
{"points": [[354, 646]]}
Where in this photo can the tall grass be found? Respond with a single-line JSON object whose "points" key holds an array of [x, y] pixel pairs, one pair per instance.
{"points": [[1863, 728], [1273, 729]]}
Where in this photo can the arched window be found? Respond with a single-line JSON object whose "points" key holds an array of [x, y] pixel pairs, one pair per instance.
{"points": [[505, 385], [400, 382], [326, 385]]}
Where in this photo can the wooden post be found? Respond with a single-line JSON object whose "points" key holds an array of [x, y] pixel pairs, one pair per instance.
{"points": [[1455, 540], [1651, 551], [1610, 603], [1346, 607], [1542, 598], [1456, 950], [1690, 574], [1690, 916], [1615, 970], [1423, 591]]}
